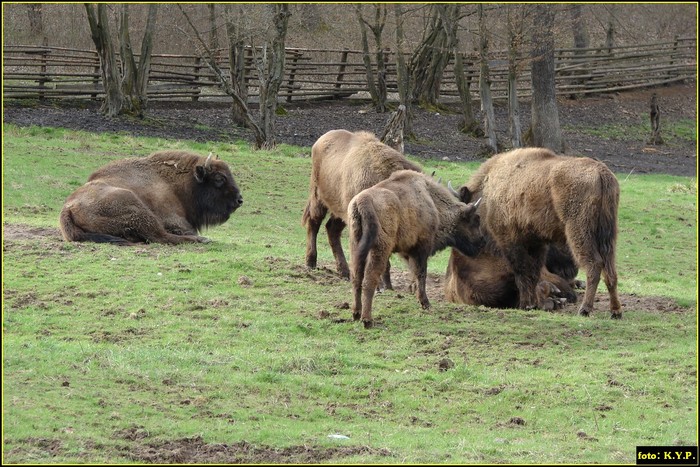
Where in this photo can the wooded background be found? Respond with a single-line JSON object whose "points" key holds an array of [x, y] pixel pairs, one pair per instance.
{"points": [[48, 52], [55, 72]]}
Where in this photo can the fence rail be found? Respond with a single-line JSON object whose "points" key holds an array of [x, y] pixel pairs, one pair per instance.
{"points": [[54, 73]]}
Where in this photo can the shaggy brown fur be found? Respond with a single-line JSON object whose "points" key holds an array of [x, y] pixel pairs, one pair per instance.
{"points": [[487, 279], [533, 197], [410, 214], [344, 164], [166, 197]]}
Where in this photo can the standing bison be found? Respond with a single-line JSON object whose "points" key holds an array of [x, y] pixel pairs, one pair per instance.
{"points": [[166, 197], [532, 198], [410, 214], [342, 165]]}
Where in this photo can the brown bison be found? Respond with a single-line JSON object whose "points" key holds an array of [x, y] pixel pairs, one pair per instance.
{"points": [[533, 198], [166, 197], [342, 165], [487, 279], [411, 214]]}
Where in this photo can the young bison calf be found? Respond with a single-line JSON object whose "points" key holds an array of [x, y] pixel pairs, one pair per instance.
{"points": [[411, 214]]}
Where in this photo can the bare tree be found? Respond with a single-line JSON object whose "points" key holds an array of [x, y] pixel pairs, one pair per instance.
{"points": [[135, 77], [125, 91], [377, 91], [429, 60], [485, 82], [546, 131], [403, 79], [271, 71], [270, 66], [515, 20], [451, 15], [237, 63]]}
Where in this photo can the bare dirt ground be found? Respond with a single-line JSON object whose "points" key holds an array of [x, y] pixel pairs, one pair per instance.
{"points": [[437, 137]]}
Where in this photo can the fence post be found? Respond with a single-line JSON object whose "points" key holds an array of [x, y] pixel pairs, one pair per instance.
{"points": [[341, 71], [197, 67], [292, 72], [673, 53]]}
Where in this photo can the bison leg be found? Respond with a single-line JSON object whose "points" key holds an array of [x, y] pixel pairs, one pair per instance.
{"points": [[313, 219], [386, 277], [419, 267], [376, 264], [334, 228], [527, 266], [610, 277]]}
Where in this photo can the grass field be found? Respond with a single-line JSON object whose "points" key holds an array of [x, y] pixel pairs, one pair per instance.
{"points": [[233, 351]]}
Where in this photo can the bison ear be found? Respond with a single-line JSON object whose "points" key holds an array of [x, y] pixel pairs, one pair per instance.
{"points": [[464, 194], [200, 173]]}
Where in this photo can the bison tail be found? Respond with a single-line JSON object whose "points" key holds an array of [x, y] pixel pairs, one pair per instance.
{"points": [[606, 229], [363, 231], [71, 232]]}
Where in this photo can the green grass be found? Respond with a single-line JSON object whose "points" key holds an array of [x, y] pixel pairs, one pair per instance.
{"points": [[638, 129], [109, 352]]}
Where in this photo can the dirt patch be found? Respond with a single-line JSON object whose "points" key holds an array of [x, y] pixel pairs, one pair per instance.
{"points": [[195, 451], [436, 133]]}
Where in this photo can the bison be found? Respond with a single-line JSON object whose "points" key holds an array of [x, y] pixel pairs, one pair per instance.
{"points": [[532, 198], [166, 197], [342, 165], [411, 214], [487, 279]]}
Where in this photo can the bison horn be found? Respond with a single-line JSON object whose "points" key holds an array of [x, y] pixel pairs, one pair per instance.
{"points": [[477, 202], [452, 190], [207, 164]]}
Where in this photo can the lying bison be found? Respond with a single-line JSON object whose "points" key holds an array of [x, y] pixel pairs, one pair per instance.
{"points": [[166, 197], [532, 198], [487, 279], [411, 214], [342, 165]]}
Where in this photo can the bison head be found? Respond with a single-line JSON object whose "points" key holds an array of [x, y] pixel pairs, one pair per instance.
{"points": [[468, 236], [216, 194]]}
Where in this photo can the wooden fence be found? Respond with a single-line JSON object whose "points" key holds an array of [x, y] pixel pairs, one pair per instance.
{"points": [[53, 72]]}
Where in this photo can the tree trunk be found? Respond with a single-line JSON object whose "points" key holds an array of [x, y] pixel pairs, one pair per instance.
{"points": [[402, 74], [114, 101], [236, 55], [377, 91], [610, 30], [515, 36], [654, 115], [134, 80], [393, 131], [451, 15], [581, 40], [213, 30], [485, 83], [146, 52], [273, 68], [428, 63], [546, 131], [36, 23]]}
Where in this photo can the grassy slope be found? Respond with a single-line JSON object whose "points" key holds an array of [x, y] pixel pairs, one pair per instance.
{"points": [[235, 340]]}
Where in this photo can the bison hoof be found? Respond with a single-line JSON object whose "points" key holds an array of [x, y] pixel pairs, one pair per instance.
{"points": [[368, 324], [584, 312], [617, 315]]}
